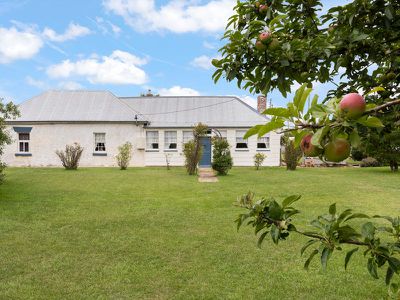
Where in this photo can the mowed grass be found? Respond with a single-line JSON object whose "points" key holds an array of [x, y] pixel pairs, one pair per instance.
{"points": [[149, 233]]}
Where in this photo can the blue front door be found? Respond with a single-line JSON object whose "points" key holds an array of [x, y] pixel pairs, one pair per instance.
{"points": [[205, 160]]}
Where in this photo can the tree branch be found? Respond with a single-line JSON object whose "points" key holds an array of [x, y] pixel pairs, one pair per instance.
{"points": [[380, 107]]}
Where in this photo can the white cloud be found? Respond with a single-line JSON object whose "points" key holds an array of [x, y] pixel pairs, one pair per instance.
{"points": [[15, 44], [118, 68], [41, 85], [179, 91], [105, 25], [70, 85], [208, 45], [176, 15], [72, 32], [203, 62]]}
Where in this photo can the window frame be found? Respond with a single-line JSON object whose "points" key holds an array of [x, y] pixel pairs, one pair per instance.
{"points": [[95, 134], [183, 136], [244, 141], [151, 149], [267, 143], [167, 146], [25, 143]]}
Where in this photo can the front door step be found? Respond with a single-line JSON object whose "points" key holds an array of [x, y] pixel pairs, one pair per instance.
{"points": [[207, 175]]}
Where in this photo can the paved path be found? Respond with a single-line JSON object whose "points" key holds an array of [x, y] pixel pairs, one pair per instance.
{"points": [[207, 175]]}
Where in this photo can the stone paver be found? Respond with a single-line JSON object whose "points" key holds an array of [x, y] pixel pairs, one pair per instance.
{"points": [[207, 175]]}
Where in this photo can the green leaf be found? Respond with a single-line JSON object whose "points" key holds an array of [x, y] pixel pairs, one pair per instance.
{"points": [[314, 101], [325, 255], [368, 230], [389, 12], [261, 238], [348, 256], [298, 95], [354, 139], [394, 263], [275, 210], [275, 233], [308, 261], [389, 275], [278, 111], [370, 122], [357, 216], [332, 209], [270, 127], [252, 131], [344, 214], [372, 268], [303, 99], [319, 135], [298, 137], [375, 90], [308, 244], [318, 111], [289, 200]]}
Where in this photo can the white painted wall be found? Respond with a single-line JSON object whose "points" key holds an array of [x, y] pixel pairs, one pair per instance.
{"points": [[46, 139]]}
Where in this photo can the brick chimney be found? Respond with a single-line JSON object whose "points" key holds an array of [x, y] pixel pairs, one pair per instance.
{"points": [[261, 103]]}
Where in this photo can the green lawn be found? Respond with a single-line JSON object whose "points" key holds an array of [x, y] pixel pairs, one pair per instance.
{"points": [[156, 234]]}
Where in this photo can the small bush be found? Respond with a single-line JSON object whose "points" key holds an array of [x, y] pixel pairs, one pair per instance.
{"points": [[222, 159], [124, 155], [369, 162], [259, 159], [292, 155], [358, 155], [2, 168], [71, 156]]}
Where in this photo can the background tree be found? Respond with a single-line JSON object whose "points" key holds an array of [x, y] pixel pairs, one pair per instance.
{"points": [[192, 150], [7, 111], [355, 46], [274, 44]]}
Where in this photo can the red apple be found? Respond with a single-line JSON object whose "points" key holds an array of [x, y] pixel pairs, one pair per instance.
{"points": [[308, 148], [260, 46], [265, 37], [352, 105], [337, 150], [263, 9]]}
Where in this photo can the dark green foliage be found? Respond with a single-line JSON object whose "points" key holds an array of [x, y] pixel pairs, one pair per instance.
{"points": [[292, 152], [193, 150], [222, 159], [259, 159], [7, 111], [369, 162], [71, 156], [358, 154], [124, 155], [329, 232]]}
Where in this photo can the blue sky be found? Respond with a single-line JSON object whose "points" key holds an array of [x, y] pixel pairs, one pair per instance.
{"points": [[125, 46]]}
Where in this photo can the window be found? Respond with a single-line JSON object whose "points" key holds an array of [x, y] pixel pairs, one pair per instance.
{"points": [[187, 136], [24, 142], [263, 143], [99, 142], [152, 140], [241, 143], [170, 140]]}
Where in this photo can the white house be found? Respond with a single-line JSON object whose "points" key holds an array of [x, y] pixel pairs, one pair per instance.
{"points": [[156, 126]]}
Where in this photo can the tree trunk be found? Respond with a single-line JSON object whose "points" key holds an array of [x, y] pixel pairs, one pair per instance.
{"points": [[394, 166]]}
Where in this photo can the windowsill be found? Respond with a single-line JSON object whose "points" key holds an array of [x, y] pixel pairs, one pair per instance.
{"points": [[170, 150], [99, 153], [152, 150], [23, 154], [242, 150], [263, 150]]}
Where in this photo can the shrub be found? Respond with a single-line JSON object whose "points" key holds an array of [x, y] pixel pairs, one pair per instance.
{"points": [[259, 159], [292, 154], [192, 150], [124, 155], [2, 168], [369, 162], [71, 156], [222, 159], [358, 155]]}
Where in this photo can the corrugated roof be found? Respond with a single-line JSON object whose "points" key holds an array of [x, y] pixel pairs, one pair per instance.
{"points": [[188, 111], [103, 106], [73, 106]]}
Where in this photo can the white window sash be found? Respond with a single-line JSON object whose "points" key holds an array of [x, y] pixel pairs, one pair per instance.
{"points": [[152, 140], [170, 140], [100, 142]]}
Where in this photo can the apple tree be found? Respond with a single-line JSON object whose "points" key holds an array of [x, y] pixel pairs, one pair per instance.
{"points": [[7, 111], [274, 44]]}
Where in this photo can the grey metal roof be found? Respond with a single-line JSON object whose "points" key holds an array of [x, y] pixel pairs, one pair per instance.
{"points": [[103, 106], [74, 106], [188, 111]]}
